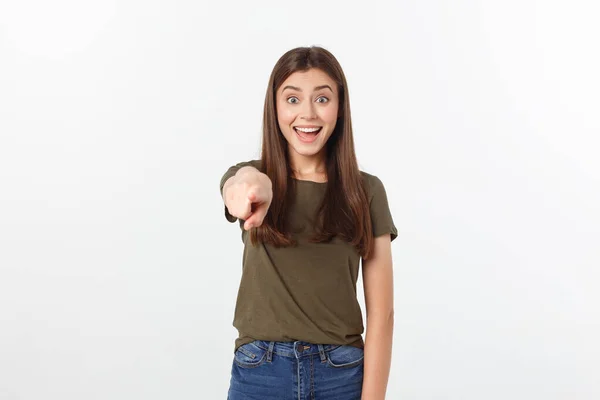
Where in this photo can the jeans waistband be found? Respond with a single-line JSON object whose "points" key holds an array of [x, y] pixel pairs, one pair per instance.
{"points": [[294, 349]]}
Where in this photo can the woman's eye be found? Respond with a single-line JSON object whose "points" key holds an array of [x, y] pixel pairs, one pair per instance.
{"points": [[324, 98], [292, 98]]}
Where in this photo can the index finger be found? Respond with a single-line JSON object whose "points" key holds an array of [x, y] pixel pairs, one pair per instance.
{"points": [[256, 195]]}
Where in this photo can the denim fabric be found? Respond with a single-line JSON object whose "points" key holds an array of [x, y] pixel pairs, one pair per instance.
{"points": [[296, 371]]}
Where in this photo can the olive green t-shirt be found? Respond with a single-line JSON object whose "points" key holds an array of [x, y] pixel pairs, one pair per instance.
{"points": [[307, 292]]}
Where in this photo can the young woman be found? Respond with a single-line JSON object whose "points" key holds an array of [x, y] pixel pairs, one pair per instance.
{"points": [[308, 215]]}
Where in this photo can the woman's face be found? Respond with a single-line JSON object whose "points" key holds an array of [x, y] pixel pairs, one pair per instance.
{"points": [[307, 110]]}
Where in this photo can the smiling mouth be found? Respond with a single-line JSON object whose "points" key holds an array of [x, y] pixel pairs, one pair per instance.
{"points": [[308, 135], [315, 129]]}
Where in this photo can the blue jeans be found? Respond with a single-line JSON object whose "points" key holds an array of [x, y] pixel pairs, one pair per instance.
{"points": [[296, 371]]}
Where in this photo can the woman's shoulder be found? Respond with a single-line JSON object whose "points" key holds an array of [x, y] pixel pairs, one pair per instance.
{"points": [[232, 170], [373, 183], [253, 163], [256, 163]]}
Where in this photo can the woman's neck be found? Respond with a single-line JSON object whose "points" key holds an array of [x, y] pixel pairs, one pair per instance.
{"points": [[305, 167], [317, 173]]}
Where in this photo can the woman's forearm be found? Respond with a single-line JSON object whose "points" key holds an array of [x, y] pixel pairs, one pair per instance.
{"points": [[378, 356]]}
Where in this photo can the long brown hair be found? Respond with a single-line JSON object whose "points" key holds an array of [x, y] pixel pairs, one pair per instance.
{"points": [[344, 211]]}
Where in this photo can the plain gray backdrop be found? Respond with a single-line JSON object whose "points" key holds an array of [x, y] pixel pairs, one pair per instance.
{"points": [[119, 272]]}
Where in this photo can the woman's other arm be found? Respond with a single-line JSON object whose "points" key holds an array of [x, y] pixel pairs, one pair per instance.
{"points": [[379, 300]]}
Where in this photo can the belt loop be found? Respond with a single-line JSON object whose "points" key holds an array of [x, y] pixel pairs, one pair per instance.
{"points": [[322, 352], [270, 351]]}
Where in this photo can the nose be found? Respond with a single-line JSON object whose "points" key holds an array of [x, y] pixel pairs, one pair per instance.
{"points": [[308, 111]]}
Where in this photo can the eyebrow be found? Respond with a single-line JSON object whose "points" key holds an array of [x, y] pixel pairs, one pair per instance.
{"points": [[299, 90]]}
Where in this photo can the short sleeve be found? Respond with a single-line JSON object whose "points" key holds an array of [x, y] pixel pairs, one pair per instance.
{"points": [[381, 216], [231, 171]]}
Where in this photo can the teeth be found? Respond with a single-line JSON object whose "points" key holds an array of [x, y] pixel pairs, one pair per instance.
{"points": [[307, 130]]}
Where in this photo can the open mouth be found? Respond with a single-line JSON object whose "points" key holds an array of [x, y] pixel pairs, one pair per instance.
{"points": [[308, 135]]}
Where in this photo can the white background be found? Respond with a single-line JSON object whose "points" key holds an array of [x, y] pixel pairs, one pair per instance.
{"points": [[119, 272]]}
